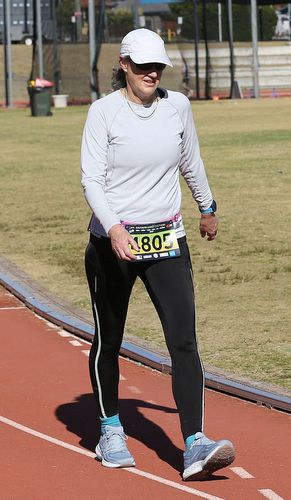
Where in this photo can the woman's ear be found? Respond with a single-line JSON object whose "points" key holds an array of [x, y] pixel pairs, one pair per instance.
{"points": [[123, 63]]}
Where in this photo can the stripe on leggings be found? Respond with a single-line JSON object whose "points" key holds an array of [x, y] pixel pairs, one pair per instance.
{"points": [[98, 354], [201, 364]]}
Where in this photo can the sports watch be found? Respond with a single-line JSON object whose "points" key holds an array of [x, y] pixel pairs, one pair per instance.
{"points": [[211, 210]]}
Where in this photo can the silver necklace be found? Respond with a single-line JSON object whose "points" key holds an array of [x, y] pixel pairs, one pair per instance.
{"points": [[135, 113]]}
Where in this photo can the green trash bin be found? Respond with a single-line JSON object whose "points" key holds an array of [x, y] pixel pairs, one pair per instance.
{"points": [[40, 101]]}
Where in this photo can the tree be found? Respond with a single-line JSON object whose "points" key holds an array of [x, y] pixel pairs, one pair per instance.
{"points": [[119, 22], [241, 21], [65, 10], [267, 22]]}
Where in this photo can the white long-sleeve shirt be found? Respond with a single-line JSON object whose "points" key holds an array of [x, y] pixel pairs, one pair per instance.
{"points": [[131, 165]]}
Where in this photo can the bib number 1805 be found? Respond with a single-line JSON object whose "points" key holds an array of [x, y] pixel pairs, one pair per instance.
{"points": [[157, 242]]}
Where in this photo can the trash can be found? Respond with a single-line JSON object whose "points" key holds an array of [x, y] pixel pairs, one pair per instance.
{"points": [[40, 97]]}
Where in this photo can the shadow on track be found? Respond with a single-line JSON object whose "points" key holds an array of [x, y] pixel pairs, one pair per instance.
{"points": [[81, 418]]}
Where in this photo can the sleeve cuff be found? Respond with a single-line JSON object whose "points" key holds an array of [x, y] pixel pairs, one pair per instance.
{"points": [[209, 210]]}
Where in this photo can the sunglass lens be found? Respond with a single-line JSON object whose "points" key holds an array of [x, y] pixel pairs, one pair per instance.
{"points": [[151, 66]]}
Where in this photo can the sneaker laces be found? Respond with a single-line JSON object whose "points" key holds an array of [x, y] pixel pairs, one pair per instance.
{"points": [[201, 440], [115, 440]]}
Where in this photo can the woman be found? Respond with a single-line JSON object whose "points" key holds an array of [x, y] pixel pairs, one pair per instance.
{"points": [[136, 141]]}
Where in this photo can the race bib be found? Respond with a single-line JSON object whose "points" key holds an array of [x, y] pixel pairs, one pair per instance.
{"points": [[155, 241]]}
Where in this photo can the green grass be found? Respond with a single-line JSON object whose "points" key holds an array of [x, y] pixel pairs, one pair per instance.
{"points": [[242, 279]]}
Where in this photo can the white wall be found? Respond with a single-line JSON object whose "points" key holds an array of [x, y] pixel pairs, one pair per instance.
{"points": [[274, 65]]}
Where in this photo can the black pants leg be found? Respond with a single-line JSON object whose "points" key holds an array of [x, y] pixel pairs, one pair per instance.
{"points": [[110, 282], [170, 286]]}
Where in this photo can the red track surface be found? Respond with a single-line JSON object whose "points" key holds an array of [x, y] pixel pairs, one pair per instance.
{"points": [[45, 388]]}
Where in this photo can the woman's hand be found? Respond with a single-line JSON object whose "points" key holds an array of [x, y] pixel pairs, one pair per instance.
{"points": [[208, 226], [120, 241]]}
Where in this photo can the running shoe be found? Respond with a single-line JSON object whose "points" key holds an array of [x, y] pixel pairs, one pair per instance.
{"points": [[112, 450], [205, 455]]}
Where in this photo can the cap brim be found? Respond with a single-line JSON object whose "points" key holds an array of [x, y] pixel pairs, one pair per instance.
{"points": [[145, 58]]}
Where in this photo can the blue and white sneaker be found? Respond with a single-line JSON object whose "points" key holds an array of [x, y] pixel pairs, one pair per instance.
{"points": [[112, 450], [205, 455]]}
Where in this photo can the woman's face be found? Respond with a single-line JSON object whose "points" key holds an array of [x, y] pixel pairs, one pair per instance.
{"points": [[142, 79]]}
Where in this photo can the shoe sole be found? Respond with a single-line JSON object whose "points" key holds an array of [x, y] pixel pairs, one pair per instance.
{"points": [[218, 459], [112, 465]]}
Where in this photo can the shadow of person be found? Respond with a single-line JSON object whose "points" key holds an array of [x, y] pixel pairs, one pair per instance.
{"points": [[81, 418], [148, 432]]}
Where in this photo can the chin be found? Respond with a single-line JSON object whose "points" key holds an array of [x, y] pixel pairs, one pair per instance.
{"points": [[148, 89]]}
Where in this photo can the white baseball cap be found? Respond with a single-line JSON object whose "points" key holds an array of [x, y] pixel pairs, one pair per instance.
{"points": [[144, 46]]}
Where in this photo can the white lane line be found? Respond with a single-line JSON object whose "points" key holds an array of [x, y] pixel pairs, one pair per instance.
{"points": [[90, 454], [62, 333], [86, 352], [244, 474], [270, 494], [75, 343], [12, 308], [178, 486], [121, 377], [48, 323], [40, 435], [134, 389]]}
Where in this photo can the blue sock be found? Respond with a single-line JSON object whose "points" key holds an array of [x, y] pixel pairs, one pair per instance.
{"points": [[189, 440], [113, 421]]}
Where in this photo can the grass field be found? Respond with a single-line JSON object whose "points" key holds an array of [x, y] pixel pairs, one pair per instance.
{"points": [[242, 279]]}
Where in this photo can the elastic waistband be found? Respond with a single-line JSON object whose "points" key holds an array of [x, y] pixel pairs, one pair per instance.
{"points": [[95, 239], [175, 218]]}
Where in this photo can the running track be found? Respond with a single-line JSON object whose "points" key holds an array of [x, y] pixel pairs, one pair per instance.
{"points": [[48, 427]]}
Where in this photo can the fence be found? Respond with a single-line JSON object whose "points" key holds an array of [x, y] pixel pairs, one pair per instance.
{"points": [[274, 71]]}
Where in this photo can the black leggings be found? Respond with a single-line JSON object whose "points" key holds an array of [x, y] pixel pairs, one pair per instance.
{"points": [[170, 287]]}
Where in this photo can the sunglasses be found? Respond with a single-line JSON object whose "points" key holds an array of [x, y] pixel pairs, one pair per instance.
{"points": [[150, 66]]}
